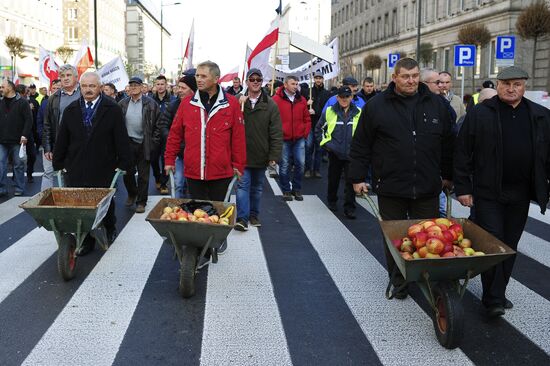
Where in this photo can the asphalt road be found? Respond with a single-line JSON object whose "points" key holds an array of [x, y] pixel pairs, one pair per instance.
{"points": [[307, 288]]}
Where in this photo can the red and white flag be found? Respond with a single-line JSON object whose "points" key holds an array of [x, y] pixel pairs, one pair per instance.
{"points": [[246, 56], [48, 68], [259, 58], [230, 75], [83, 59], [188, 55]]}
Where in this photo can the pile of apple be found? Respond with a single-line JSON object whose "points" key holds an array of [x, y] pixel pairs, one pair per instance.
{"points": [[176, 213], [437, 238]]}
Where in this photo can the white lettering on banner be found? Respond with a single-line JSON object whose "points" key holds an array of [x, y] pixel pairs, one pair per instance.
{"points": [[305, 72], [115, 73]]}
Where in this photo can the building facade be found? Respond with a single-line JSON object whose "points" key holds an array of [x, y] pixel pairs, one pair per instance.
{"points": [[378, 27], [36, 23], [78, 26]]}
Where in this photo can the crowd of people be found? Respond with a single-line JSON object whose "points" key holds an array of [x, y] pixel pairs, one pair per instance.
{"points": [[408, 143]]}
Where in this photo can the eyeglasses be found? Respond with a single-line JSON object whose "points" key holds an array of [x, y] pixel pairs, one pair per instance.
{"points": [[255, 80]]}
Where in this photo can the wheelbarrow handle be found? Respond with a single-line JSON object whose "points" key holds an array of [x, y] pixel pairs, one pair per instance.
{"points": [[172, 183], [230, 187], [449, 202], [372, 205], [59, 175], [118, 172]]}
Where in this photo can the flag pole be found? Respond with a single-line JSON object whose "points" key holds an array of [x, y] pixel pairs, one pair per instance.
{"points": [[275, 64]]}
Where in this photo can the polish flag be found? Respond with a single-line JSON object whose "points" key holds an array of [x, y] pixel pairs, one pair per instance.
{"points": [[259, 57], [83, 60], [188, 55], [230, 75]]}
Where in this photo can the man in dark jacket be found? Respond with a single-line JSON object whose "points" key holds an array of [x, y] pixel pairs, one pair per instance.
{"points": [[264, 142], [334, 133], [15, 126], [405, 134], [236, 88], [23, 91], [502, 161], [319, 96], [57, 103], [187, 85], [141, 114], [367, 90], [296, 126], [91, 143]]}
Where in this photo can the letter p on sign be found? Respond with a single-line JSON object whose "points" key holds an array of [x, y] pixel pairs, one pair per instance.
{"points": [[465, 55]]}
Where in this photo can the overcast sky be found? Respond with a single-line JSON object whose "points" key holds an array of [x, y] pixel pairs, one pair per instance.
{"points": [[222, 27]]}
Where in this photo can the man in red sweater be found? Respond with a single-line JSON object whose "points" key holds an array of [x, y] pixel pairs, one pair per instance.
{"points": [[296, 126], [211, 125]]}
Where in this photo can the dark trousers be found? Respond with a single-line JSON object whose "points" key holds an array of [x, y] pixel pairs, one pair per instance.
{"points": [[139, 190], [505, 219], [157, 163], [211, 190], [336, 167], [394, 208], [31, 157]]}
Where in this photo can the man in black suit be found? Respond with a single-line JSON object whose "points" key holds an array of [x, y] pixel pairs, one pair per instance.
{"points": [[91, 143]]}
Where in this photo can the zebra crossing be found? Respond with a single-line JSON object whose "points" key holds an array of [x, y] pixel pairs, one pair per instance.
{"points": [[306, 288]]}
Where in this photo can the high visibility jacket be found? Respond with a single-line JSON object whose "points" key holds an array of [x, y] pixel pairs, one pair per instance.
{"points": [[475, 97], [335, 130]]}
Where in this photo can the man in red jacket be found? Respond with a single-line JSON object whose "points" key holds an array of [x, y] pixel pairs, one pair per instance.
{"points": [[211, 125], [296, 126]]}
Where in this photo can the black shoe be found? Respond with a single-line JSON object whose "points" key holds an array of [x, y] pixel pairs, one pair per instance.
{"points": [[287, 196], [508, 304], [254, 221], [241, 225], [317, 175], [307, 174], [297, 196], [350, 214], [222, 248], [495, 311], [332, 206], [130, 201]]}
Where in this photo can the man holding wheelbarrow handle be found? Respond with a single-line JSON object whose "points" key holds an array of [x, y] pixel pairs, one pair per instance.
{"points": [[405, 134], [502, 161], [91, 143], [211, 125]]}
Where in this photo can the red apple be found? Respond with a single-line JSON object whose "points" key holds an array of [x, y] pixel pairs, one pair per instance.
{"points": [[426, 224], [436, 234], [420, 239], [435, 246], [396, 243], [413, 229], [407, 245], [458, 252], [407, 256], [443, 227], [448, 248], [448, 236], [432, 255], [448, 255], [443, 221], [434, 228], [465, 243], [422, 252], [457, 228]]}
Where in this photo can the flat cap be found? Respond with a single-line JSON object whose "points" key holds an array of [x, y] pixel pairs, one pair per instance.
{"points": [[350, 80], [512, 72], [136, 80]]}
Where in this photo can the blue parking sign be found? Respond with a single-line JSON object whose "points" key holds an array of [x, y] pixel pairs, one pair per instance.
{"points": [[505, 47], [465, 55], [392, 59]]}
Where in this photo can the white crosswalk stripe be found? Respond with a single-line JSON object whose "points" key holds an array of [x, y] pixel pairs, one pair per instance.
{"points": [[242, 323]]}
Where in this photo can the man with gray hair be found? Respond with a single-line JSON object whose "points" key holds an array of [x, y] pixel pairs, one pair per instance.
{"points": [[92, 141], [57, 103]]}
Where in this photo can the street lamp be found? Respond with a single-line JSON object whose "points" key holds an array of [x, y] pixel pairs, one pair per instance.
{"points": [[162, 30]]}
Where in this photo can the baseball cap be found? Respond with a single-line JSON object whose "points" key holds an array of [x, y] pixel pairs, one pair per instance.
{"points": [[350, 80], [254, 71], [344, 91], [318, 74], [136, 80]]}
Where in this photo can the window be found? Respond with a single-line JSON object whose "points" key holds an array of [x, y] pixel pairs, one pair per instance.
{"points": [[386, 25], [446, 59], [366, 33], [394, 22], [405, 17], [379, 25], [434, 59], [449, 8], [72, 14], [461, 4], [493, 69], [72, 33]]}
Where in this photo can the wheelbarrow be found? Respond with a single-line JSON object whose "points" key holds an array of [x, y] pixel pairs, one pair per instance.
{"points": [[439, 279], [72, 214], [191, 240]]}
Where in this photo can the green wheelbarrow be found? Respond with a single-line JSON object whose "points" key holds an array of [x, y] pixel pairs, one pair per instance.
{"points": [[72, 214], [443, 281]]}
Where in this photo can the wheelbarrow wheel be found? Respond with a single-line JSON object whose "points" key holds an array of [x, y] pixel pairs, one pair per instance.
{"points": [[187, 271], [449, 315], [66, 257]]}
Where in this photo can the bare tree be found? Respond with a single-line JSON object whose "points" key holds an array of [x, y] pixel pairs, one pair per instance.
{"points": [[65, 52], [534, 22], [477, 35], [15, 46]]}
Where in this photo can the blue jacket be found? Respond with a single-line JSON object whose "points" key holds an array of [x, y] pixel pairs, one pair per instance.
{"points": [[335, 130]]}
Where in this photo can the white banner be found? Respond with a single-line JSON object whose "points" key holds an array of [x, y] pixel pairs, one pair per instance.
{"points": [[114, 72], [304, 72]]}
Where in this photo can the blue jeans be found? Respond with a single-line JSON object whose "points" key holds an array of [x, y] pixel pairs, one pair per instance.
{"points": [[313, 153], [249, 192], [442, 204], [179, 178], [294, 154], [19, 167]]}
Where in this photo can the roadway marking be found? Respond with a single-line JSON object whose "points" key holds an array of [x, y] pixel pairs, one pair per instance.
{"points": [[10, 208], [21, 259], [388, 325], [92, 325], [242, 324], [273, 183]]}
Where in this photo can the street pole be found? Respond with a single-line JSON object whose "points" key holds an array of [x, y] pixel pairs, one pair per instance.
{"points": [[95, 32], [418, 31], [462, 86]]}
